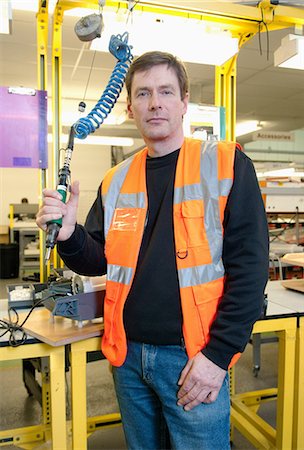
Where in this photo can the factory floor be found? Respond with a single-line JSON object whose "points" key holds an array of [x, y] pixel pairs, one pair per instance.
{"points": [[17, 409]]}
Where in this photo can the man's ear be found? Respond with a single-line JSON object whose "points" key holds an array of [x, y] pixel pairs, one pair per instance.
{"points": [[129, 109], [185, 102]]}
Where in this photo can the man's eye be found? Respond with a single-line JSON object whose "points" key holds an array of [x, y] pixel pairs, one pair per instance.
{"points": [[167, 92], [142, 94]]}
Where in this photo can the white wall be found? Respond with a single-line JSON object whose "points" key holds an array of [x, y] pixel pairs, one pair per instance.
{"points": [[278, 151], [89, 164]]}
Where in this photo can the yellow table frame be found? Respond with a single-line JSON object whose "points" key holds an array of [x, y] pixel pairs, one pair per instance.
{"points": [[54, 411], [81, 426], [244, 407], [298, 413]]}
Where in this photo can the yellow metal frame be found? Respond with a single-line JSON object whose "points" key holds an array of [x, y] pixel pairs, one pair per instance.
{"points": [[42, 43], [54, 425], [298, 412], [81, 426], [243, 22], [244, 412], [289, 394], [244, 407]]}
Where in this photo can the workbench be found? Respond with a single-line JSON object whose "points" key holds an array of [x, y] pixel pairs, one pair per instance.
{"points": [[53, 426], [284, 317], [55, 336]]}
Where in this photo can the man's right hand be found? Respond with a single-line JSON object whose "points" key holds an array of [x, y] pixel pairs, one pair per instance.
{"points": [[53, 208]]}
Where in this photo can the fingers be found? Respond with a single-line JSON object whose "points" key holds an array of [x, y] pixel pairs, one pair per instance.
{"points": [[184, 372], [74, 197], [75, 187], [196, 396], [200, 382], [51, 193], [52, 208]]}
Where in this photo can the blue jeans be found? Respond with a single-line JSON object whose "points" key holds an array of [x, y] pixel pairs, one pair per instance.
{"points": [[146, 388]]}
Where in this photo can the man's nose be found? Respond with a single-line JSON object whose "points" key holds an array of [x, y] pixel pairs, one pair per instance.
{"points": [[155, 102]]}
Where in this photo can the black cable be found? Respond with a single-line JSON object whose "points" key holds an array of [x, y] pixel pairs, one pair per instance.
{"points": [[267, 36], [13, 327], [288, 225], [85, 92], [131, 11], [267, 41], [260, 44], [136, 3]]}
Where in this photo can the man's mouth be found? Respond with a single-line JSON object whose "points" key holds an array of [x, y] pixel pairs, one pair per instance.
{"points": [[156, 120]]}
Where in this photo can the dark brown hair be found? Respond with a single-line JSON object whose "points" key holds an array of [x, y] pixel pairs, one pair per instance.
{"points": [[151, 59]]}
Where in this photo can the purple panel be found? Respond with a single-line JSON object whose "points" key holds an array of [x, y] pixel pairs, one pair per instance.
{"points": [[23, 129]]}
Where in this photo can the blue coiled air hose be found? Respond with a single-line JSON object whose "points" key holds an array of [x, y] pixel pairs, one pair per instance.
{"points": [[119, 48]]}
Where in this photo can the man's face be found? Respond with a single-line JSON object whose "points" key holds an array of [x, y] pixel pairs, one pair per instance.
{"points": [[156, 104]]}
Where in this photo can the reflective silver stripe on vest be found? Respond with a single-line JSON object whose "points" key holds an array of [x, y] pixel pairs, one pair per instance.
{"points": [[225, 187], [136, 200], [209, 191], [212, 190], [188, 192], [192, 276], [119, 274], [110, 199]]}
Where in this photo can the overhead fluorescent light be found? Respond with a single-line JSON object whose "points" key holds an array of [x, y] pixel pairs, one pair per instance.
{"points": [[291, 52], [32, 5], [97, 140], [22, 5], [80, 12], [147, 32], [249, 126], [5, 17]]}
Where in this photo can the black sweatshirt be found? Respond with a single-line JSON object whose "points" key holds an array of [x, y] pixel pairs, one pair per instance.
{"points": [[152, 312]]}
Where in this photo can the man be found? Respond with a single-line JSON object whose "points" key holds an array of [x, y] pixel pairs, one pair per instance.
{"points": [[180, 230]]}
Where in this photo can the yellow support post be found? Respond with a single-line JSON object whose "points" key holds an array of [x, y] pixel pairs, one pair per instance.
{"points": [[42, 41], [225, 87], [298, 415], [285, 402], [79, 394], [225, 93], [56, 100]]}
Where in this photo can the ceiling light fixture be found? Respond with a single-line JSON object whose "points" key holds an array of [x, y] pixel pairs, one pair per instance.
{"points": [[290, 54], [5, 17], [249, 126], [147, 32], [21, 5]]}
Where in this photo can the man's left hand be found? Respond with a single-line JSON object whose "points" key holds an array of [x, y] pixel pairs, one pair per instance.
{"points": [[200, 382]]}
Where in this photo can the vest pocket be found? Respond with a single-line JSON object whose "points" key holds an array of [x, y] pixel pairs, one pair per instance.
{"points": [[207, 298], [110, 303], [192, 214]]}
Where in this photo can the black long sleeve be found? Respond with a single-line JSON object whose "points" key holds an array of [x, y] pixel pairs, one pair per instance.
{"points": [[245, 258], [83, 252]]}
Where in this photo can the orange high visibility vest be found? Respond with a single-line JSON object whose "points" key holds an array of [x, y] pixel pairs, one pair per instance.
{"points": [[204, 176]]}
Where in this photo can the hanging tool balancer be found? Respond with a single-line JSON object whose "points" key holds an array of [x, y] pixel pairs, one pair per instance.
{"points": [[119, 48]]}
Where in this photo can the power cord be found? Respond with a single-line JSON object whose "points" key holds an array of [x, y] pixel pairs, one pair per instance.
{"points": [[262, 22], [12, 326]]}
